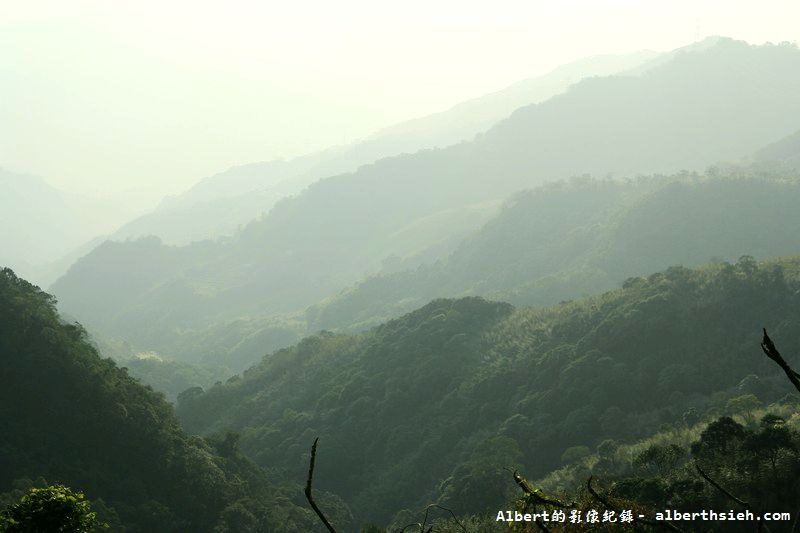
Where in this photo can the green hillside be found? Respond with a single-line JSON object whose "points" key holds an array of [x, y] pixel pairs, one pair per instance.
{"points": [[69, 416], [577, 238], [431, 406], [730, 99]]}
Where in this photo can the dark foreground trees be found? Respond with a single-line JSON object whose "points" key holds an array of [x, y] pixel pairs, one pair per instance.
{"points": [[53, 509], [751, 468]]}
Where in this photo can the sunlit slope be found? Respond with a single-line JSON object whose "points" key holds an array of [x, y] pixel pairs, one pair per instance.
{"points": [[432, 406], [573, 239]]}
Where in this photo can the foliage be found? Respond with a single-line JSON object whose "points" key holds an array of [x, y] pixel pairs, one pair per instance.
{"points": [[55, 508], [414, 206], [68, 414], [405, 410], [174, 377], [580, 237]]}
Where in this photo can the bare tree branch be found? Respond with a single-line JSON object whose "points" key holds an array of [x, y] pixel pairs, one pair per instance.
{"points": [[761, 525], [535, 494], [769, 349], [309, 497], [610, 507], [424, 522], [720, 488], [597, 496], [443, 508]]}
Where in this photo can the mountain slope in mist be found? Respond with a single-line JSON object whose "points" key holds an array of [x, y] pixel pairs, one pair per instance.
{"points": [[695, 110], [43, 227], [568, 240], [784, 153], [219, 204]]}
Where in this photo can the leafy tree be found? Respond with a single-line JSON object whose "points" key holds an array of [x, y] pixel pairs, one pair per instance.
{"points": [[55, 508], [69, 414]]}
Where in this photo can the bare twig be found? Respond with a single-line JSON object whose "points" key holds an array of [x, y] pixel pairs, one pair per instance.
{"points": [[761, 525], [720, 488], [309, 497], [534, 494], [424, 522], [610, 507], [596, 495], [769, 349], [443, 508]]}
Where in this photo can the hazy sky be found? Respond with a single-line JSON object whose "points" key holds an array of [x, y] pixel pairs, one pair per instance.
{"points": [[107, 96]]}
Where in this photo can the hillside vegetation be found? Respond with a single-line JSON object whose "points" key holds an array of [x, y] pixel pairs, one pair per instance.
{"points": [[577, 238], [345, 227], [67, 415], [431, 406]]}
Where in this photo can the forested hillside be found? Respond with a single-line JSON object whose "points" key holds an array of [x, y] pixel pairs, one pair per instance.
{"points": [[414, 206], [577, 238], [431, 406], [784, 153], [69, 416]]}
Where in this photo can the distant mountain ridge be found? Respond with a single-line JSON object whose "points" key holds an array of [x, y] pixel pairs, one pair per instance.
{"points": [[42, 224], [583, 237], [785, 152], [219, 204], [695, 110]]}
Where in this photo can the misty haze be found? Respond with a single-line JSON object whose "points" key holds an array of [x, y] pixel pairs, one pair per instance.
{"points": [[425, 267]]}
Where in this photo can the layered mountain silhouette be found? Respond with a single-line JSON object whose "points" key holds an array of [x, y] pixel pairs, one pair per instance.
{"points": [[578, 238], [219, 204], [701, 106], [46, 229]]}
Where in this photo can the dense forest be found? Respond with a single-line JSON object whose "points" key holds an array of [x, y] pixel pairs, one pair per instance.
{"points": [[72, 417], [584, 236], [578, 294], [628, 387], [440, 400], [417, 206]]}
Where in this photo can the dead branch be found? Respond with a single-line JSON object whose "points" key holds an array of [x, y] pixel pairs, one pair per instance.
{"points": [[720, 488], [610, 507], [424, 522], [309, 497], [534, 494], [596, 495], [769, 349], [443, 508], [761, 524]]}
